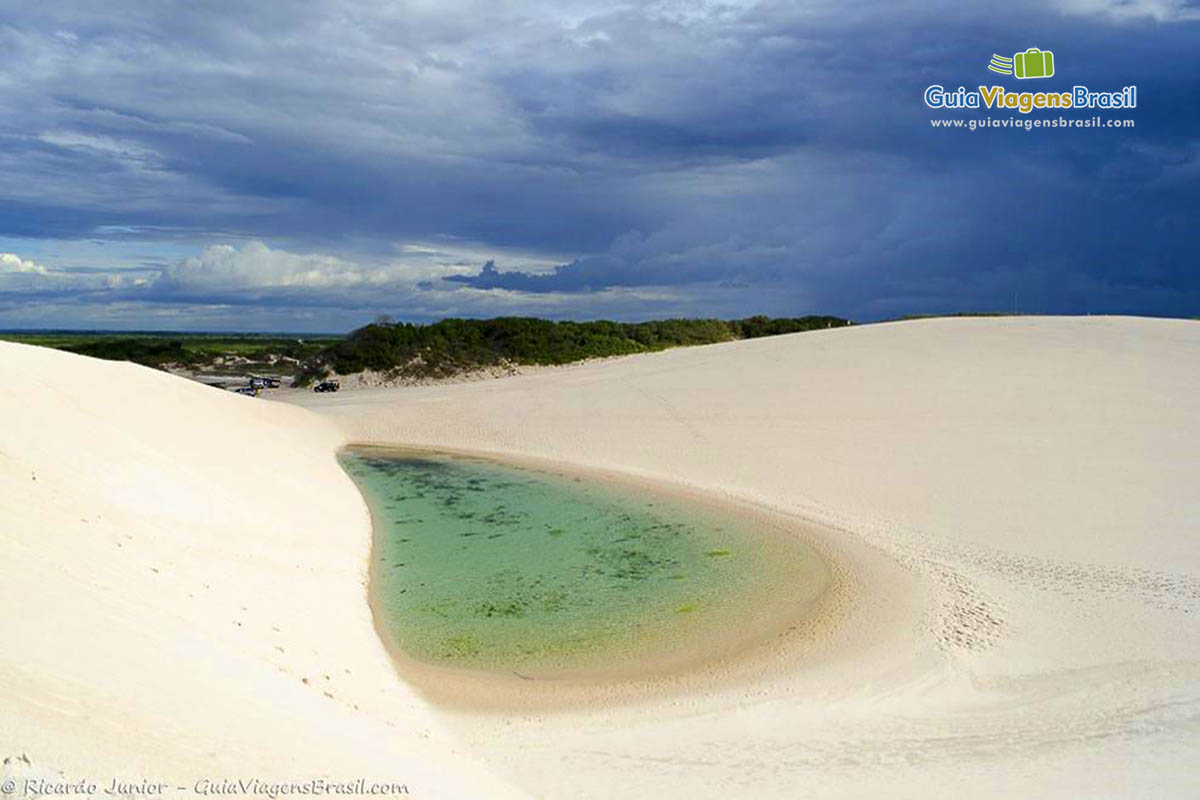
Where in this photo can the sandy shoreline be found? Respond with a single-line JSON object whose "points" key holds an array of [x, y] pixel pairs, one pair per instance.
{"points": [[824, 601], [1012, 500]]}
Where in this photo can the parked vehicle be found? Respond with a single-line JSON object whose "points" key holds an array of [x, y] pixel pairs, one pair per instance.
{"points": [[264, 383], [327, 386], [250, 390]]}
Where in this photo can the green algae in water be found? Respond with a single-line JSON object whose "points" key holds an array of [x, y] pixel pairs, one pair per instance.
{"points": [[484, 566]]}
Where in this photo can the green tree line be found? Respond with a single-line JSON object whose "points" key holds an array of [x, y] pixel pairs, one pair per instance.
{"points": [[451, 346]]}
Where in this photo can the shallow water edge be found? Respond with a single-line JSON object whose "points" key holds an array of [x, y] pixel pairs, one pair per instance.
{"points": [[770, 639]]}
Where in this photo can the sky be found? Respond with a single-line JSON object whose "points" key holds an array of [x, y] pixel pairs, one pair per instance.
{"points": [[308, 166]]}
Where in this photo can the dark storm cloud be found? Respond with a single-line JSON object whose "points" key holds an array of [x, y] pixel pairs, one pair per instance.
{"points": [[746, 156]]}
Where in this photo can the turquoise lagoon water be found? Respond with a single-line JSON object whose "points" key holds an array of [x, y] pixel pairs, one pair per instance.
{"points": [[484, 566]]}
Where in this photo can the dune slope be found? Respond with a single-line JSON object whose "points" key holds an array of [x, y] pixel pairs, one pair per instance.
{"points": [[1017, 513], [183, 592]]}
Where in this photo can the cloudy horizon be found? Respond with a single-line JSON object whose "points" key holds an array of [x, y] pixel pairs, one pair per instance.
{"points": [[168, 166]]}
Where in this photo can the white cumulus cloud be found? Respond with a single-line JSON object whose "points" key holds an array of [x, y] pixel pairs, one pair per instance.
{"points": [[11, 262], [256, 266]]}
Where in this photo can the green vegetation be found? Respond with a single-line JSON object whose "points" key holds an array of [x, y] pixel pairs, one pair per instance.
{"points": [[453, 346], [408, 351], [150, 352], [191, 350]]}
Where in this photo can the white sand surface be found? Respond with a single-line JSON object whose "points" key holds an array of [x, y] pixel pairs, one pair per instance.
{"points": [[1019, 511], [1012, 505], [182, 578]]}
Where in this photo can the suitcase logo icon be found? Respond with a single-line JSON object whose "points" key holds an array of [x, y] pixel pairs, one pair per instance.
{"points": [[1033, 63]]}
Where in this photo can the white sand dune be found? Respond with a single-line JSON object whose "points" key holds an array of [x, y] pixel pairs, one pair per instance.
{"points": [[183, 592], [1034, 485], [1012, 504]]}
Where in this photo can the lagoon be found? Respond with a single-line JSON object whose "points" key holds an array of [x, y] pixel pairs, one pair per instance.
{"points": [[488, 567]]}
